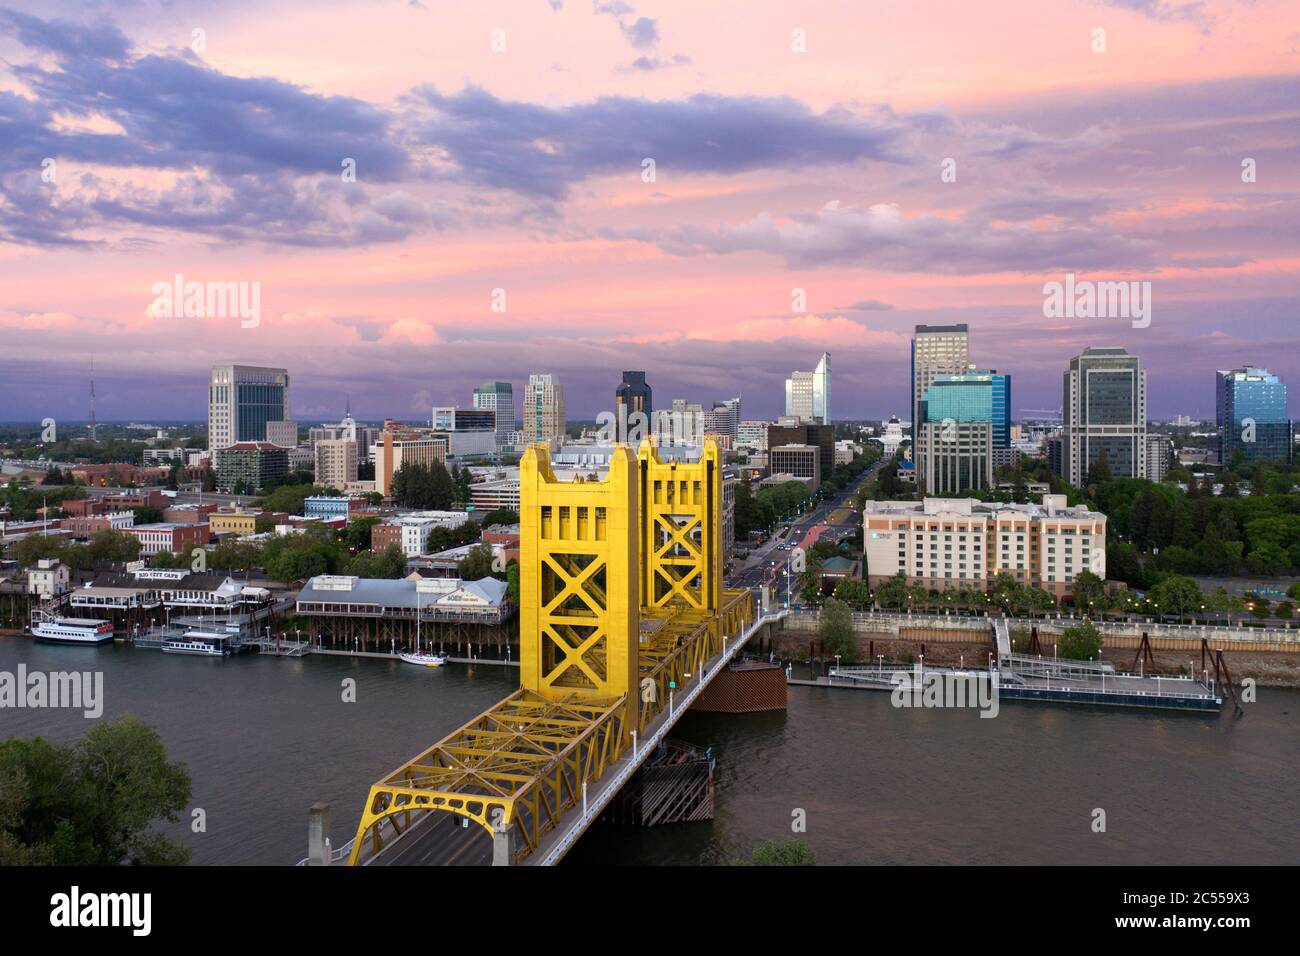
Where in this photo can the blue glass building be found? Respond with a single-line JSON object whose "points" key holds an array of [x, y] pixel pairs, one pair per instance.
{"points": [[1251, 411]]}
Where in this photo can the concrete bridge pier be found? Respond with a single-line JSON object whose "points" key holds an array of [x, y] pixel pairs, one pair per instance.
{"points": [[318, 835], [504, 844]]}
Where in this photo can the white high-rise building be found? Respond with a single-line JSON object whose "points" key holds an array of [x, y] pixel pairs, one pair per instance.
{"points": [[936, 350], [242, 400], [498, 397], [1105, 402], [544, 419], [808, 394]]}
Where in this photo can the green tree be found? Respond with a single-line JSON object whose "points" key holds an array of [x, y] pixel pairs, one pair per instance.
{"points": [[892, 594], [145, 514], [1080, 643], [1099, 473], [477, 564], [781, 853], [835, 627], [442, 539], [854, 593], [91, 804], [356, 536], [1089, 592], [390, 563], [512, 581], [505, 516], [165, 559], [1176, 594]]}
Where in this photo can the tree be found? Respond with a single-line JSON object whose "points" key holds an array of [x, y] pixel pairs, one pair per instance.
{"points": [[854, 593], [477, 564], [1176, 594], [209, 478], [1089, 592], [512, 581], [111, 546], [835, 627], [390, 563], [781, 853], [357, 534], [1223, 602], [428, 487], [165, 559], [442, 539], [892, 593], [146, 514], [1080, 643], [290, 499], [505, 516], [91, 804], [1099, 473]]}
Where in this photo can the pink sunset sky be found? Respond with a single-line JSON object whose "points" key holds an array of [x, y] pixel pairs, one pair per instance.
{"points": [[500, 145]]}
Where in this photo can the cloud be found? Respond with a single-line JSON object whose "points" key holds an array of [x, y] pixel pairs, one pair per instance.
{"points": [[649, 63], [882, 237], [544, 151], [1167, 11], [865, 305], [642, 33], [250, 154], [64, 39]]}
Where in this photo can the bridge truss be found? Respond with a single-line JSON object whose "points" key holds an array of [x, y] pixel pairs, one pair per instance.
{"points": [[621, 606]]}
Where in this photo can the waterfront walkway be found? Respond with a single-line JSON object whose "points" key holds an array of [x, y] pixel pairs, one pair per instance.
{"points": [[383, 655]]}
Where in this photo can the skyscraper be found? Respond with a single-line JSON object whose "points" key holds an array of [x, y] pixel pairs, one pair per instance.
{"points": [[1105, 402], [1252, 415], [633, 393], [936, 350], [1001, 405], [543, 408], [954, 445], [242, 399], [808, 394], [498, 397]]}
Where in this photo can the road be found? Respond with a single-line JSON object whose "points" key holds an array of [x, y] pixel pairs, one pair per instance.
{"points": [[832, 519], [443, 840]]}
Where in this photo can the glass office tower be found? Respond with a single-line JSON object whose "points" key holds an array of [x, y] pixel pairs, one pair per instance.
{"points": [[1252, 415]]}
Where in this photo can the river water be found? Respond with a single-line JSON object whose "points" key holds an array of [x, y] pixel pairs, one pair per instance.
{"points": [[265, 738]]}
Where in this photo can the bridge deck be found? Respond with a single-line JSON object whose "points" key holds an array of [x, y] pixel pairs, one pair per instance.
{"points": [[523, 763]]}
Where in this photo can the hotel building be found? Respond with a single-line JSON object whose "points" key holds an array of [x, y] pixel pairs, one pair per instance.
{"points": [[943, 543]]}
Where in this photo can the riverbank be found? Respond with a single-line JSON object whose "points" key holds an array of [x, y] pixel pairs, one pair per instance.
{"points": [[1271, 669]]}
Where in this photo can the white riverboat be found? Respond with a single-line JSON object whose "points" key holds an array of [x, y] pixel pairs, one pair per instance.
{"points": [[73, 630], [197, 644]]}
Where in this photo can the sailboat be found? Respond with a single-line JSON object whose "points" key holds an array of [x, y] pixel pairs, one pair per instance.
{"points": [[421, 660]]}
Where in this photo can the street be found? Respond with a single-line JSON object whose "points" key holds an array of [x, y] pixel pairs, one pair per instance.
{"points": [[832, 519]]}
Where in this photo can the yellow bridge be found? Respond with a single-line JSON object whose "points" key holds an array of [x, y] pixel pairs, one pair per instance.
{"points": [[623, 620]]}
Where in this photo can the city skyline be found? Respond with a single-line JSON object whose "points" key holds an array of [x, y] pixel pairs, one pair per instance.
{"points": [[779, 176]]}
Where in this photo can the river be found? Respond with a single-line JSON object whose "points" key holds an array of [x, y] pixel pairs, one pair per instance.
{"points": [[265, 738]]}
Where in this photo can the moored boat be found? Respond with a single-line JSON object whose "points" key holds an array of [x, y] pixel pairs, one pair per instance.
{"points": [[73, 630], [423, 660]]}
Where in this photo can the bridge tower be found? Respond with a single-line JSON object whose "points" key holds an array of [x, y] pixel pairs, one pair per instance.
{"points": [[578, 596], [681, 530]]}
